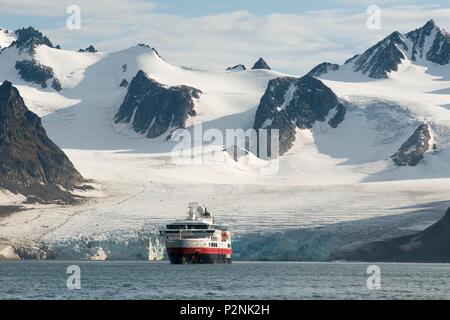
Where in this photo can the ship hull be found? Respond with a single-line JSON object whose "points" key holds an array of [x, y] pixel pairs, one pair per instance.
{"points": [[198, 256]]}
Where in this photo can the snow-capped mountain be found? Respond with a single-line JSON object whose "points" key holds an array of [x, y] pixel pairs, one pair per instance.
{"points": [[261, 64], [28, 39], [407, 74], [428, 44], [23, 57], [30, 163], [238, 67], [363, 111], [154, 110], [323, 68], [291, 103], [382, 117]]}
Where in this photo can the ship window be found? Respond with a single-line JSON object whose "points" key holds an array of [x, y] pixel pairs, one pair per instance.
{"points": [[187, 226], [221, 228]]}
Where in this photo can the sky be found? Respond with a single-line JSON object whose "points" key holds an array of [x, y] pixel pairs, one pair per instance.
{"points": [[291, 35]]}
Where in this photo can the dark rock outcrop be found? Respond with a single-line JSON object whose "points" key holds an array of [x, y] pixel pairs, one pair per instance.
{"points": [[30, 163], [439, 52], [90, 49], [153, 108], [429, 43], [382, 58], [323, 68], [413, 150], [124, 83], [29, 38], [338, 117], [291, 103], [261, 64], [56, 84], [239, 67], [144, 45], [430, 245], [33, 71]]}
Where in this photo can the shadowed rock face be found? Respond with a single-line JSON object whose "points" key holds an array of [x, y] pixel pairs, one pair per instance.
{"points": [[30, 163], [291, 103], [428, 43], [338, 117], [29, 38], [261, 64], [323, 68], [239, 67], [32, 71], [90, 49], [439, 52], [124, 83], [413, 150], [153, 109], [382, 58], [430, 245]]}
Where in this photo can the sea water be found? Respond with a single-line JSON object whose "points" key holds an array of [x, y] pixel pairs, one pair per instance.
{"points": [[240, 280]]}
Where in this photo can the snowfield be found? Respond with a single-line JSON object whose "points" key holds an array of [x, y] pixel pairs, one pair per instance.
{"points": [[331, 176], [6, 37]]}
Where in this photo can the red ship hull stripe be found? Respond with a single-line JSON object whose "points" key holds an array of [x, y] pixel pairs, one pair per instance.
{"points": [[200, 250]]}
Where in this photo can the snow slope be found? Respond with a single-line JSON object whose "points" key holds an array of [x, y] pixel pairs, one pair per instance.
{"points": [[331, 175], [419, 92], [6, 38]]}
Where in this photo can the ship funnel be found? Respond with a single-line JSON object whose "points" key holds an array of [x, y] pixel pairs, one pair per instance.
{"points": [[193, 210]]}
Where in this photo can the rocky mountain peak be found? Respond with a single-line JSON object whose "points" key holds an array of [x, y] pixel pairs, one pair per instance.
{"points": [[30, 163], [412, 152], [154, 109], [90, 49], [426, 29], [323, 68], [430, 24], [9, 109], [430, 43], [291, 103], [7, 90], [382, 58], [261, 64], [238, 67], [29, 38]]}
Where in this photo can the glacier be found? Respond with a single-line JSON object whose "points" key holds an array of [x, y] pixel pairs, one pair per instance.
{"points": [[335, 187]]}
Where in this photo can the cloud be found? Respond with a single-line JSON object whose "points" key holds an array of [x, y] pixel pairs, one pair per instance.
{"points": [[292, 43], [55, 8]]}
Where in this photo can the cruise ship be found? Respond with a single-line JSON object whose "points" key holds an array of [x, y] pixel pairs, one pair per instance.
{"points": [[197, 239]]}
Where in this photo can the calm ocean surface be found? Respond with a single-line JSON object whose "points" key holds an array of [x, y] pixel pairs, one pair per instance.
{"points": [[241, 280]]}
